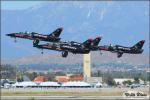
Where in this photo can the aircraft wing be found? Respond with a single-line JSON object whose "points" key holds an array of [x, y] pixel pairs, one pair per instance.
{"points": [[49, 47]]}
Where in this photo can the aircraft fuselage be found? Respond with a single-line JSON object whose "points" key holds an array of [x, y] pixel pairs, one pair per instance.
{"points": [[34, 36], [121, 49], [80, 49]]}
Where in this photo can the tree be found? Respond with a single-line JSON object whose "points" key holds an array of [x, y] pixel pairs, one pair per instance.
{"points": [[99, 73], [32, 75], [117, 83], [110, 81], [19, 79], [50, 76], [136, 80], [128, 82]]}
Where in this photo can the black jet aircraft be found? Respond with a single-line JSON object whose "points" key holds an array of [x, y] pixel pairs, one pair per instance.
{"points": [[53, 37], [65, 47], [93, 46], [136, 49]]}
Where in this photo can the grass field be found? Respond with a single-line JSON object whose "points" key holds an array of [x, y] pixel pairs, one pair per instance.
{"points": [[67, 92], [61, 93]]}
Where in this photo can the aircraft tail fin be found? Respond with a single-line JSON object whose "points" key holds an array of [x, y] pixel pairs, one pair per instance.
{"points": [[57, 32], [88, 43], [96, 41], [139, 45]]}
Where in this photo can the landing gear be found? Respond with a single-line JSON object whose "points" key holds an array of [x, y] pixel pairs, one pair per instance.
{"points": [[64, 53], [119, 54], [35, 42], [101, 52], [42, 52], [15, 40]]}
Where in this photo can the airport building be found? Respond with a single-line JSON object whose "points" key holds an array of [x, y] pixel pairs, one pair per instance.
{"points": [[62, 78], [68, 78], [76, 84], [50, 84], [121, 80], [94, 80], [24, 84], [39, 79]]}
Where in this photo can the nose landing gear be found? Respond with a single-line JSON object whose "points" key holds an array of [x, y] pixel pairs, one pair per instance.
{"points": [[15, 40], [35, 42], [64, 53], [42, 52]]}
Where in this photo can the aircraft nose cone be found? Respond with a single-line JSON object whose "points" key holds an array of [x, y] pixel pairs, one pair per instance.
{"points": [[10, 35]]}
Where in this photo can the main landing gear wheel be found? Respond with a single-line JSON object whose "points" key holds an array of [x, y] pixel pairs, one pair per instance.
{"points": [[15, 40], [35, 42], [119, 54], [64, 53], [42, 52], [101, 52]]}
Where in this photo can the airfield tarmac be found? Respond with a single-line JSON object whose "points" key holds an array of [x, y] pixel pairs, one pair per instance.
{"points": [[106, 89], [70, 98], [68, 93]]}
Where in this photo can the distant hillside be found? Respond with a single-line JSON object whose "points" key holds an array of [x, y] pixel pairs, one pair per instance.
{"points": [[96, 58]]}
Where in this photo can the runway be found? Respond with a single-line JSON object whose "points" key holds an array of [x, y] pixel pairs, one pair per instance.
{"points": [[70, 98], [68, 94]]}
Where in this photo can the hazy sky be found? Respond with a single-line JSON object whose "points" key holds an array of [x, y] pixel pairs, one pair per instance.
{"points": [[18, 5]]}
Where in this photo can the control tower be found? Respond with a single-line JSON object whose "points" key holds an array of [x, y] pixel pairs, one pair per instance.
{"points": [[86, 66]]}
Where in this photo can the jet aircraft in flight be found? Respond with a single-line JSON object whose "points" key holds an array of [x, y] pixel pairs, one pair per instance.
{"points": [[65, 47], [136, 49], [36, 37], [75, 47]]}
